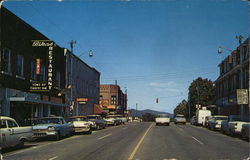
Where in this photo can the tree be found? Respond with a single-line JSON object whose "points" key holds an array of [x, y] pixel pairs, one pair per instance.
{"points": [[201, 91], [181, 108]]}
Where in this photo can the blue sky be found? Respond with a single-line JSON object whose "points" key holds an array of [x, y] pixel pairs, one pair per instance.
{"points": [[152, 48]]}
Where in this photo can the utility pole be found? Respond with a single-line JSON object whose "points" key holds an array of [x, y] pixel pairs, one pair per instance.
{"points": [[136, 109], [72, 43]]}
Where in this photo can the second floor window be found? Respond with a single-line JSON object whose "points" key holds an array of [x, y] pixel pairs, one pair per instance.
{"points": [[19, 65], [6, 60], [113, 99]]}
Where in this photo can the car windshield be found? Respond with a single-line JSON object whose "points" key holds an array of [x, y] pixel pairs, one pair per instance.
{"points": [[48, 121], [79, 119]]}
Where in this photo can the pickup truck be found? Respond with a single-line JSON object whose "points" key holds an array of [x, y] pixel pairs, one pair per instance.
{"points": [[162, 119], [11, 135]]}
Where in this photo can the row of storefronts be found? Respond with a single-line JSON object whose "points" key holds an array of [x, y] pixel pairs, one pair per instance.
{"points": [[232, 86], [38, 78]]}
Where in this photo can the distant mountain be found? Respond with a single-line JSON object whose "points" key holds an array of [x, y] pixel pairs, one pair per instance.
{"points": [[139, 113]]}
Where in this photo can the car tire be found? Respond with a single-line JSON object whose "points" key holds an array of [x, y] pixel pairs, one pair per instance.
{"points": [[58, 136]]}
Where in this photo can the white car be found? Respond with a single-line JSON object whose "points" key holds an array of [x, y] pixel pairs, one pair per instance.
{"points": [[179, 118], [111, 120], [162, 119], [11, 134], [214, 123], [81, 124], [225, 124], [235, 127]]}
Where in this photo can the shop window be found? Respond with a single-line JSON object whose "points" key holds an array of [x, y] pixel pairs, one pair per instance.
{"points": [[20, 62], [6, 60]]}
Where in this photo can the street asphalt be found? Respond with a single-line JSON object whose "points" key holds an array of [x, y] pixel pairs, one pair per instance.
{"points": [[138, 141]]}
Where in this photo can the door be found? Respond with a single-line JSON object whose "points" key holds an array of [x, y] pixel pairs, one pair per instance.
{"points": [[12, 128], [5, 140]]}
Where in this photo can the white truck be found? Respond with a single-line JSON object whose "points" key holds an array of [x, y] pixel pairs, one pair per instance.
{"points": [[201, 114], [162, 119], [11, 134]]}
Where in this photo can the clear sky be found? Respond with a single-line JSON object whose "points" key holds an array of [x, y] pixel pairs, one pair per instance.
{"points": [[152, 48]]}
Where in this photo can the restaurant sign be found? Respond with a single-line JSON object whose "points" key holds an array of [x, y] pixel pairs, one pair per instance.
{"points": [[38, 85]]}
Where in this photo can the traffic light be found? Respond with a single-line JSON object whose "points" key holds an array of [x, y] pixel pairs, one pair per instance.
{"points": [[157, 100]]}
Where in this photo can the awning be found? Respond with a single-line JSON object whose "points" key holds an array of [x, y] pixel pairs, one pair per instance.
{"points": [[37, 101], [111, 107]]}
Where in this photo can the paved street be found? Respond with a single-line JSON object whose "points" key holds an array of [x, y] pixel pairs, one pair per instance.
{"points": [[139, 141]]}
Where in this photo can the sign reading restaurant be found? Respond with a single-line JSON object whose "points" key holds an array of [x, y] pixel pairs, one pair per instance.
{"points": [[47, 85]]}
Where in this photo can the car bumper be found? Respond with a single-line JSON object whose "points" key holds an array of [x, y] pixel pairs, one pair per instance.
{"points": [[44, 134], [81, 129]]}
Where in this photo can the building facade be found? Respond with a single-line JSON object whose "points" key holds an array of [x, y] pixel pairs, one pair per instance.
{"points": [[29, 59], [83, 94], [112, 99], [234, 75]]}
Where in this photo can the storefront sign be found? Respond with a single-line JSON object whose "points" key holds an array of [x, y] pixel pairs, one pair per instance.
{"points": [[38, 66], [44, 86], [38, 87]]}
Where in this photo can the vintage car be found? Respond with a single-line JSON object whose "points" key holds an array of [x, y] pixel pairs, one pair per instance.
{"points": [[225, 124], [235, 127], [245, 131], [179, 118], [122, 118], [215, 122], [55, 127], [112, 120], [99, 123], [11, 134], [81, 124], [192, 120], [162, 119]]}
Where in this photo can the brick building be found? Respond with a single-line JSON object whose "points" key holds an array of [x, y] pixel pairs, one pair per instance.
{"points": [[234, 75], [112, 99]]}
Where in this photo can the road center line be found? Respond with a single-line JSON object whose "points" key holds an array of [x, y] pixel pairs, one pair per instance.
{"points": [[197, 140], [52, 158], [105, 136], [125, 128], [139, 143]]}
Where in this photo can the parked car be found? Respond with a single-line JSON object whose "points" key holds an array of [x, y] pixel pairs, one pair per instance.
{"points": [[112, 120], [225, 124], [201, 114], [179, 118], [81, 124], [11, 134], [207, 119], [215, 122], [55, 127], [236, 126], [99, 123], [193, 120], [122, 118], [245, 131], [162, 119]]}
